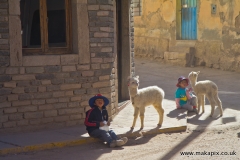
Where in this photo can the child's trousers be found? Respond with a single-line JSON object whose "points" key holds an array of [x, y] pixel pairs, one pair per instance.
{"points": [[105, 136], [190, 103]]}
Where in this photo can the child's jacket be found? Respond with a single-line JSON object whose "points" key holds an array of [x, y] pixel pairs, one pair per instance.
{"points": [[93, 118], [183, 95]]}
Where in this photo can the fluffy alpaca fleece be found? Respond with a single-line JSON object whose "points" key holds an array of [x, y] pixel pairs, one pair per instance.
{"points": [[141, 98], [205, 88]]}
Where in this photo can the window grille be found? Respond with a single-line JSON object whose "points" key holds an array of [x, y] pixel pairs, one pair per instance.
{"points": [[137, 7]]}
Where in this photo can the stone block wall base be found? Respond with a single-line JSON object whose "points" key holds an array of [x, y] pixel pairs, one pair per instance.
{"points": [[176, 58]]}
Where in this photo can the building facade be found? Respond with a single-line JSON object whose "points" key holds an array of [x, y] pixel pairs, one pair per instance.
{"points": [[55, 55], [190, 32]]}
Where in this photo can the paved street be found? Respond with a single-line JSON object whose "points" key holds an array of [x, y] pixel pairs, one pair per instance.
{"points": [[205, 137], [155, 147], [165, 76]]}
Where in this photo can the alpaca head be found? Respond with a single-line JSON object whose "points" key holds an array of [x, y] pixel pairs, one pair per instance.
{"points": [[133, 82], [193, 76]]}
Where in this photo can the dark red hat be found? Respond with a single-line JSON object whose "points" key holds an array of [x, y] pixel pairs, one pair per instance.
{"points": [[181, 79], [98, 96]]}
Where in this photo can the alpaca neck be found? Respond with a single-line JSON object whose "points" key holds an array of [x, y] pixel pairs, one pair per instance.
{"points": [[133, 92], [193, 83]]}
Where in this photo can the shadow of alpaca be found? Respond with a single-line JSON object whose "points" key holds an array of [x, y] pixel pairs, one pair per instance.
{"points": [[201, 119], [177, 113], [142, 132], [142, 136], [135, 141]]}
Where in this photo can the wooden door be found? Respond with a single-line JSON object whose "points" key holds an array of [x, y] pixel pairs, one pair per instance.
{"points": [[188, 19]]}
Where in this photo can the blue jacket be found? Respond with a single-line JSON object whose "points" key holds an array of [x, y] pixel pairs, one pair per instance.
{"points": [[93, 118]]}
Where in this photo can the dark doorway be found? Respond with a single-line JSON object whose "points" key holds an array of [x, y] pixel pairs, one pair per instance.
{"points": [[123, 47], [119, 49]]}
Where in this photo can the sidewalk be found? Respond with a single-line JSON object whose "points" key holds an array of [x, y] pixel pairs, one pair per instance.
{"points": [[70, 136], [151, 73]]}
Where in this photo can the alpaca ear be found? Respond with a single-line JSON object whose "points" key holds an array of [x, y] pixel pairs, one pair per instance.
{"points": [[190, 73]]}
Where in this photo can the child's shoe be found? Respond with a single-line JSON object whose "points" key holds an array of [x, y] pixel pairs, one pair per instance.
{"points": [[195, 110], [125, 139], [113, 144], [119, 142]]}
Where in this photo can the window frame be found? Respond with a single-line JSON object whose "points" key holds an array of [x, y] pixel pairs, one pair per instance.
{"points": [[45, 49]]}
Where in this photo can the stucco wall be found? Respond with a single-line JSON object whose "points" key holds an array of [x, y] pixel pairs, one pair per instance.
{"points": [[218, 42], [155, 28]]}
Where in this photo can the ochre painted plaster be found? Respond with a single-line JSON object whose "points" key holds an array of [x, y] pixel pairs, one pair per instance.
{"points": [[218, 38]]}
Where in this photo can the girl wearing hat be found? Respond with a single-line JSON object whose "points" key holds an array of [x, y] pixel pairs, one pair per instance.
{"points": [[184, 97], [97, 122]]}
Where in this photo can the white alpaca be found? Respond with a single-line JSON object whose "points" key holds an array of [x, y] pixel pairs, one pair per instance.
{"points": [[141, 98], [208, 88]]}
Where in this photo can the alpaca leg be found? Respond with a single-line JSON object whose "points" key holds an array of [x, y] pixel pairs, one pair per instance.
{"points": [[160, 111], [142, 111], [135, 115], [203, 103], [199, 99], [219, 104], [212, 102]]}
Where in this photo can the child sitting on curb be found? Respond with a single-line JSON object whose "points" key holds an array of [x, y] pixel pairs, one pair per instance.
{"points": [[184, 97], [97, 122]]}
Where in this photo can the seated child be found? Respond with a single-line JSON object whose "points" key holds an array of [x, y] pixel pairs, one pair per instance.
{"points": [[97, 123], [184, 97]]}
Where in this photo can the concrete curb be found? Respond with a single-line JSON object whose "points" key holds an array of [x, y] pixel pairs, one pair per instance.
{"points": [[45, 146], [86, 140]]}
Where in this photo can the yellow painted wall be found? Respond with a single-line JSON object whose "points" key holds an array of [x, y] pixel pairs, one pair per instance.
{"points": [[218, 39], [208, 21], [154, 28], [218, 43]]}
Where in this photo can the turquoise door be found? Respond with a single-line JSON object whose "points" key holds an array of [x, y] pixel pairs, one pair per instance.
{"points": [[189, 20]]}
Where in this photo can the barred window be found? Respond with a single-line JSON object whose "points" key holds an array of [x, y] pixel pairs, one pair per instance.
{"points": [[137, 7]]}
